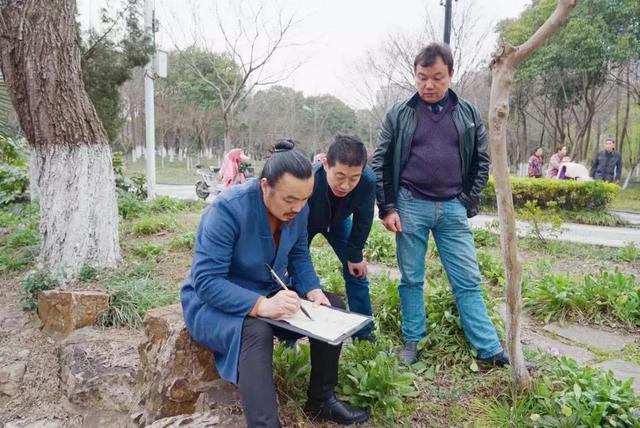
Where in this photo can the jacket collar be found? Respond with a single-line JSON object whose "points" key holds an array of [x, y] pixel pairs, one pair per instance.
{"points": [[413, 101]]}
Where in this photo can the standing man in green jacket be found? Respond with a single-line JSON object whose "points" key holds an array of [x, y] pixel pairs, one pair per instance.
{"points": [[431, 164]]}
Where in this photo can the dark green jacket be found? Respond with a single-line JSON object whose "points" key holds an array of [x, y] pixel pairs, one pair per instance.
{"points": [[394, 144]]}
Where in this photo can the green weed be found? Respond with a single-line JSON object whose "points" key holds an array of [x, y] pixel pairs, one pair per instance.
{"points": [[292, 368], [445, 345], [87, 273], [32, 284], [606, 298], [385, 300], [183, 242], [491, 269], [380, 246], [135, 292], [371, 377], [152, 225]]}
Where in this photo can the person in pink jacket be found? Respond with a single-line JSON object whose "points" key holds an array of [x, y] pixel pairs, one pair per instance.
{"points": [[230, 169]]}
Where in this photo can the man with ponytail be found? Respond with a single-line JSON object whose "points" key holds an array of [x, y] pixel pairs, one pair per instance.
{"points": [[261, 222]]}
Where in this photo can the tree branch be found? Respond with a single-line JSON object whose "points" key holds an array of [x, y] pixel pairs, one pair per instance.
{"points": [[556, 19]]}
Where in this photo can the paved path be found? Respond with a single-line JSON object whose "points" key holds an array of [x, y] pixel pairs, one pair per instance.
{"points": [[632, 218], [598, 235], [582, 233]]}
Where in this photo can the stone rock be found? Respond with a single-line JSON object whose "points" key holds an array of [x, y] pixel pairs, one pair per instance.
{"points": [[174, 369], [590, 336], [623, 370], [218, 394], [98, 368], [558, 348], [63, 311], [200, 420], [107, 419], [11, 377], [43, 423]]}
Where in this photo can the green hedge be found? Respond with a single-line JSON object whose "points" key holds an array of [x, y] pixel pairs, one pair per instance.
{"points": [[563, 194]]}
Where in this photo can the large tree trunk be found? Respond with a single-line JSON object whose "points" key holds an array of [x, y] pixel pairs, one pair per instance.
{"points": [[71, 155], [503, 67]]}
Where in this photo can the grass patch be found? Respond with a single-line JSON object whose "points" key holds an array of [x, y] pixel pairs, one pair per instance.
{"points": [[610, 298], [19, 237], [153, 225], [176, 172], [133, 294], [628, 199]]}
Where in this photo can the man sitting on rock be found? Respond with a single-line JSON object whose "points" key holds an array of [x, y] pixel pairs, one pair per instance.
{"points": [[261, 221]]}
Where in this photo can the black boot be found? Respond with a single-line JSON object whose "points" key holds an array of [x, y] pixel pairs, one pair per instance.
{"points": [[335, 410]]}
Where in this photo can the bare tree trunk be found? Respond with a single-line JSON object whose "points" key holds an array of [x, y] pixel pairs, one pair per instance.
{"points": [[228, 132], [503, 67], [71, 155], [628, 179]]}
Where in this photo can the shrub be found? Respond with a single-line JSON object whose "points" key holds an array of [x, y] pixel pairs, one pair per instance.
{"points": [[564, 194], [543, 224], [130, 207], [19, 241], [136, 186], [371, 377], [32, 284], [14, 171]]}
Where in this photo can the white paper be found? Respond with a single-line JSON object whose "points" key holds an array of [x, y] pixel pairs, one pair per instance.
{"points": [[327, 323]]}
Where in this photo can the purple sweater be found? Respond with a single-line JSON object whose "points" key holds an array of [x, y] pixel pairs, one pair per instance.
{"points": [[434, 169]]}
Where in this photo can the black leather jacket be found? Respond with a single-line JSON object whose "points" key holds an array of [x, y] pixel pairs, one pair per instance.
{"points": [[394, 144]]}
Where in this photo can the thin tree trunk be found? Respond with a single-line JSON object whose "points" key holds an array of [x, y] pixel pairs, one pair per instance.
{"points": [[71, 155], [503, 67], [628, 179]]}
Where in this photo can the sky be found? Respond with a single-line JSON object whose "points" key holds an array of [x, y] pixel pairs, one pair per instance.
{"points": [[329, 39]]}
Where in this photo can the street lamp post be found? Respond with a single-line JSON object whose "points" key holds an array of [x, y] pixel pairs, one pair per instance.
{"points": [[447, 20]]}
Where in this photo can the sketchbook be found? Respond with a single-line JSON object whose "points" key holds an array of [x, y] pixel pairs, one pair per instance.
{"points": [[331, 325]]}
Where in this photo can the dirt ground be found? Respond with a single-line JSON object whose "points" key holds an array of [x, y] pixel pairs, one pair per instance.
{"points": [[39, 396]]}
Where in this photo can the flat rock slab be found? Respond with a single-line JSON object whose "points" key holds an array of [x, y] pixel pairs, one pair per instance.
{"points": [[590, 336], [63, 311], [98, 368], [557, 348], [200, 420], [623, 370], [43, 423]]}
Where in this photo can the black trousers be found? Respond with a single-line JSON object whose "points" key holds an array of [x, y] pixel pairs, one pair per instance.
{"points": [[255, 369]]}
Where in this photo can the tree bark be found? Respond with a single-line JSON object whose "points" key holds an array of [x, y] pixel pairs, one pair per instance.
{"points": [[71, 156], [503, 67]]}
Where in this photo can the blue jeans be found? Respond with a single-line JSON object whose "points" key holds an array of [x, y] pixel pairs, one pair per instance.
{"points": [[454, 240], [357, 288]]}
